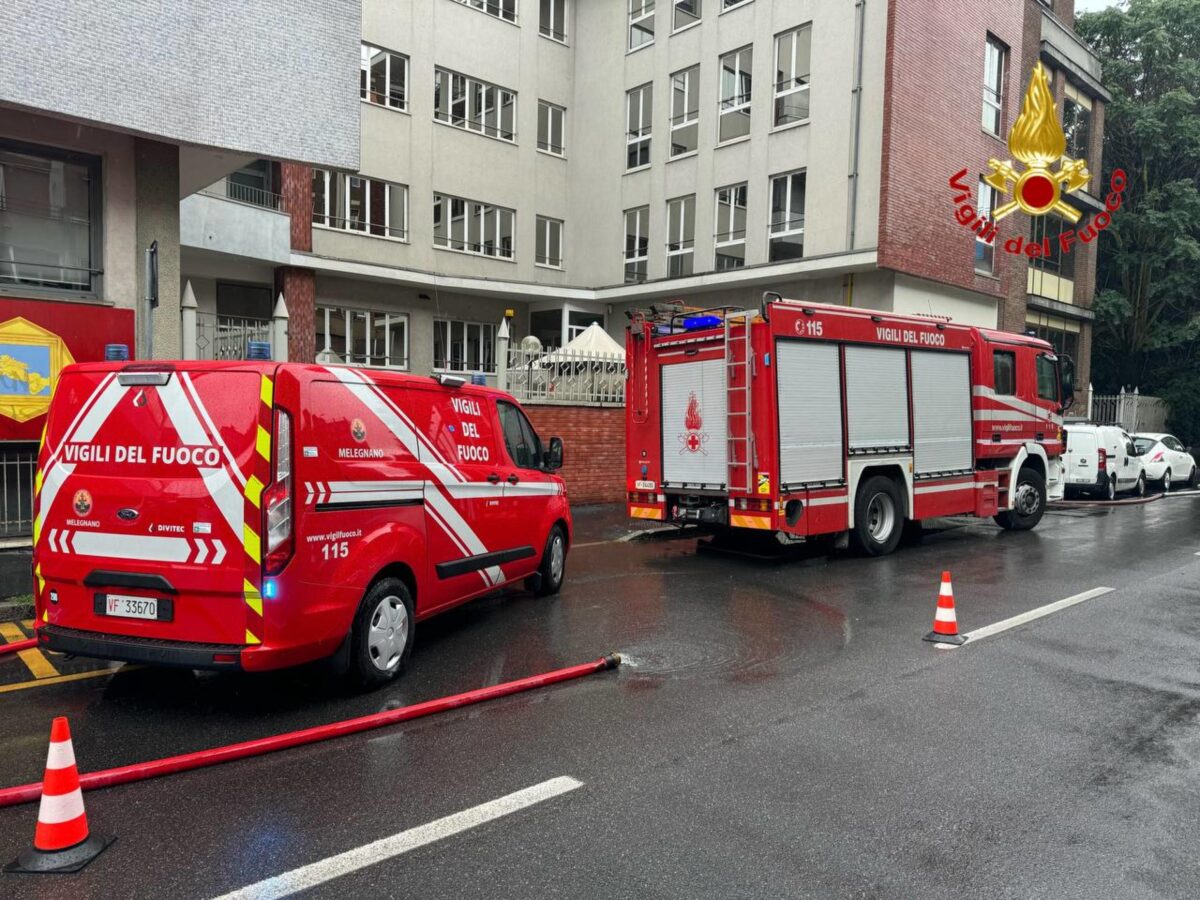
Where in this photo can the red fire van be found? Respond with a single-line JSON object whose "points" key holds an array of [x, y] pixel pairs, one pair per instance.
{"points": [[259, 515]]}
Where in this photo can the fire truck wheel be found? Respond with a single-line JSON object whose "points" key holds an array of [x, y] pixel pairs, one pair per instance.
{"points": [[1029, 502], [878, 516], [382, 637], [549, 577]]}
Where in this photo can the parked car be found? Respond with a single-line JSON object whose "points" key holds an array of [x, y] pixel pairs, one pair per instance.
{"points": [[1166, 461], [1102, 461]]}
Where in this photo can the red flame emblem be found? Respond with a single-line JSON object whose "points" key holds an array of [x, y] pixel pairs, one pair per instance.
{"points": [[693, 441], [692, 421]]}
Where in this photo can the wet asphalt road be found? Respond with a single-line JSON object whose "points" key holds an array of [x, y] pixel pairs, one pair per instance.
{"points": [[779, 731]]}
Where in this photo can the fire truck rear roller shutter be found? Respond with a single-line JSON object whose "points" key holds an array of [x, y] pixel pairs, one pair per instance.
{"points": [[810, 413], [694, 456], [941, 412], [876, 397]]}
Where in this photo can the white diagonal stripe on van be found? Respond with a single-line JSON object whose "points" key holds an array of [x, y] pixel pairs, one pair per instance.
{"points": [[345, 487], [343, 499], [474, 490], [226, 496], [218, 553], [128, 546], [182, 416], [531, 489], [213, 431], [91, 401], [58, 473], [201, 551], [449, 532], [397, 422], [472, 545]]}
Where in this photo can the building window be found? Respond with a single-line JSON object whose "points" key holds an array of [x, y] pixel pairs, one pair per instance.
{"points": [[685, 110], [366, 205], [463, 346], [637, 243], [501, 9], [475, 105], [681, 233], [994, 56], [730, 230], [468, 226], [551, 128], [549, 242], [49, 218], [730, 4], [383, 78], [686, 12], [787, 217], [553, 23], [579, 321], [735, 94], [357, 337], [641, 23], [1062, 334], [792, 68], [639, 105], [1077, 123], [985, 251]]}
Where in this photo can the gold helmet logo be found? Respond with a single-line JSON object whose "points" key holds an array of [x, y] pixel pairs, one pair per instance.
{"points": [[1037, 139]]}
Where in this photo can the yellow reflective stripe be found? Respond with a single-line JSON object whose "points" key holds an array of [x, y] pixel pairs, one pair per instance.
{"points": [[41, 581], [252, 543], [37, 482], [267, 390], [254, 489], [247, 587], [264, 443], [255, 603], [45, 615], [37, 528], [750, 521], [250, 638]]}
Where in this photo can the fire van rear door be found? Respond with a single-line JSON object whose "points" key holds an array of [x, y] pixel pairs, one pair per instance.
{"points": [[695, 424], [149, 489]]}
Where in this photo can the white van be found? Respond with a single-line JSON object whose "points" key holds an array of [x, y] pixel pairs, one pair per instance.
{"points": [[1102, 461]]}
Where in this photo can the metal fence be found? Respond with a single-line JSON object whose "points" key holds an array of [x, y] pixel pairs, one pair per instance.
{"points": [[244, 193], [564, 376], [17, 467], [1131, 410], [225, 337]]}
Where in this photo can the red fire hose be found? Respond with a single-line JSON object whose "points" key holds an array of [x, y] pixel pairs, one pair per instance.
{"points": [[201, 758], [17, 646]]}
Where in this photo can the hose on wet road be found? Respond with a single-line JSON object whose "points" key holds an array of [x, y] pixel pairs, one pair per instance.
{"points": [[142, 771], [18, 646]]}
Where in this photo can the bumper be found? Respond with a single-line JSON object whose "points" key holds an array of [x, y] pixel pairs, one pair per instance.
{"points": [[141, 650]]}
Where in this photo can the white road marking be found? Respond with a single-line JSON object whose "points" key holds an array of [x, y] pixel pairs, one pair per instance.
{"points": [[328, 869], [1031, 615]]}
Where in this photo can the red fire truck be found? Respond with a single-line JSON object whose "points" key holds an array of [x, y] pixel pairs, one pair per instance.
{"points": [[806, 419]]}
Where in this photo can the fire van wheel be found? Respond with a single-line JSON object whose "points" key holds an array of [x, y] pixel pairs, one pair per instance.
{"points": [[549, 577], [382, 639], [1029, 503], [878, 516]]}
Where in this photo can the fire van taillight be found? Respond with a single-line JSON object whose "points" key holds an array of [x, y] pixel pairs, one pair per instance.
{"points": [[277, 499]]}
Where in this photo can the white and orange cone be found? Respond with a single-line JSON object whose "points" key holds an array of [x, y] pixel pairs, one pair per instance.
{"points": [[61, 842], [945, 623]]}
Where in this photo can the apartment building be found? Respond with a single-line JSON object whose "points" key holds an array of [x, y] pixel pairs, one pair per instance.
{"points": [[558, 162], [109, 115]]}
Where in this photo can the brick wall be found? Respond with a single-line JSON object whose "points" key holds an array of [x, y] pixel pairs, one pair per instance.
{"points": [[299, 289], [932, 110], [295, 189], [594, 442]]}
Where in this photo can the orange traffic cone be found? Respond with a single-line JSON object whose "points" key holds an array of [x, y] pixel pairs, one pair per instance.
{"points": [[945, 624], [61, 842]]}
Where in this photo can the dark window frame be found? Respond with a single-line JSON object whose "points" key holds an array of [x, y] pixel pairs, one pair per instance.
{"points": [[95, 166], [529, 434], [1011, 381]]}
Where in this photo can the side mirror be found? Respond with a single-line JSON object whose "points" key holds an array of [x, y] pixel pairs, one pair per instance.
{"points": [[554, 456]]}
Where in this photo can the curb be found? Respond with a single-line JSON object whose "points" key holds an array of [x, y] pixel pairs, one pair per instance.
{"points": [[14, 611], [1087, 504]]}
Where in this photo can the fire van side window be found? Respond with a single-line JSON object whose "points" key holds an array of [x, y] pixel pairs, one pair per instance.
{"points": [[519, 437], [1005, 364], [1047, 378]]}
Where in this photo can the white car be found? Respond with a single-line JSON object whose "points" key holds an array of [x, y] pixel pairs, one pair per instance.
{"points": [[1165, 459], [1102, 461]]}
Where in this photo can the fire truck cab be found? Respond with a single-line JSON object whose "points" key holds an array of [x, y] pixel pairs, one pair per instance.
{"points": [[254, 515], [807, 419]]}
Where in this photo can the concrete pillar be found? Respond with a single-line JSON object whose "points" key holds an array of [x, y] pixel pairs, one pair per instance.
{"points": [[296, 189], [190, 331], [279, 331], [156, 173], [502, 355]]}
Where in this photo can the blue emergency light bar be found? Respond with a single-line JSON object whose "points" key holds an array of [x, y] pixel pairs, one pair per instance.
{"points": [[258, 350], [116, 352], [694, 322]]}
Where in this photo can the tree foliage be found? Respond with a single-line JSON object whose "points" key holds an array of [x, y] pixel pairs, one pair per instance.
{"points": [[1147, 330]]}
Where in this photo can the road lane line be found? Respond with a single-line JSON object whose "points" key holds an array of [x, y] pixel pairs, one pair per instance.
{"points": [[332, 867], [33, 658], [63, 679], [1031, 615]]}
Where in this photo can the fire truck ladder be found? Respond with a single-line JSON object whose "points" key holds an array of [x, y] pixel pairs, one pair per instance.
{"points": [[739, 372]]}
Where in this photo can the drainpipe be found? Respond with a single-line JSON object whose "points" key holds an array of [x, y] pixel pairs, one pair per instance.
{"points": [[860, 10]]}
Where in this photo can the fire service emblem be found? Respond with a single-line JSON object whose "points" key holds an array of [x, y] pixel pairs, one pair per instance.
{"points": [[83, 503], [693, 439], [358, 430]]}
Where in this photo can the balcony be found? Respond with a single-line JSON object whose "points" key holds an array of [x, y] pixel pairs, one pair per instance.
{"points": [[1063, 49], [236, 220]]}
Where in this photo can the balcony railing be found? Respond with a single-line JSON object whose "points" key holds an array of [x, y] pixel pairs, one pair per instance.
{"points": [[225, 337], [244, 193], [564, 376]]}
